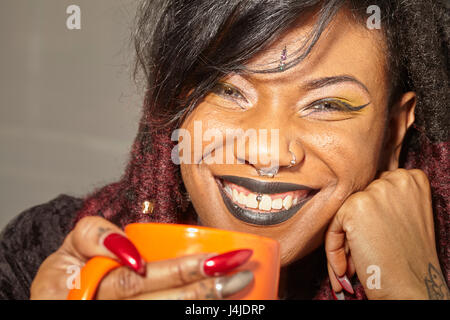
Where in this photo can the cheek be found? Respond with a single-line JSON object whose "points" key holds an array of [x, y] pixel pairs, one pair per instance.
{"points": [[349, 151]]}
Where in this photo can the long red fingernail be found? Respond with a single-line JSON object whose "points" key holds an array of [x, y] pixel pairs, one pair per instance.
{"points": [[125, 250], [225, 262], [345, 283]]}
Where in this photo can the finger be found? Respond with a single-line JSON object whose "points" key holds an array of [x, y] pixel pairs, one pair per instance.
{"points": [[166, 274], [335, 285], [208, 289], [351, 270], [95, 236], [335, 249]]}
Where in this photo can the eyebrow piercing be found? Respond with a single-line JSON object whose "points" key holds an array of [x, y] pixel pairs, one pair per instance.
{"points": [[283, 58]]}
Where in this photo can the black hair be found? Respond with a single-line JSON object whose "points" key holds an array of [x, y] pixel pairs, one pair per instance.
{"points": [[189, 45]]}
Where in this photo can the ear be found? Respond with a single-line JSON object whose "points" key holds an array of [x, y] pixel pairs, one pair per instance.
{"points": [[400, 119]]}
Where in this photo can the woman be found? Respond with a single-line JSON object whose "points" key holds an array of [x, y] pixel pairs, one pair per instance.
{"points": [[351, 191]]}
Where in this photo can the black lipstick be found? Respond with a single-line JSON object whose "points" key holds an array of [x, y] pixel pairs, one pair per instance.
{"points": [[257, 186], [255, 217]]}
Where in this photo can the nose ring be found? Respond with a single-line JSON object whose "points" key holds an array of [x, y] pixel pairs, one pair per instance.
{"points": [[293, 161]]}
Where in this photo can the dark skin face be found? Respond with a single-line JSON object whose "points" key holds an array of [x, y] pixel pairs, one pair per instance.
{"points": [[338, 151]]}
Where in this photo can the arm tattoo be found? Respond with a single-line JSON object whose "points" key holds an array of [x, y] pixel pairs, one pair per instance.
{"points": [[436, 285]]}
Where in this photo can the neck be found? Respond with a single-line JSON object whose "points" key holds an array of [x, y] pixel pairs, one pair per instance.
{"points": [[300, 279]]}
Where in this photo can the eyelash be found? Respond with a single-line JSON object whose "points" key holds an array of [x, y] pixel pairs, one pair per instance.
{"points": [[333, 105], [218, 88]]}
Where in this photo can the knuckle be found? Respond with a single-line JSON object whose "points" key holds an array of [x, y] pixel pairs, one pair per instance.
{"points": [[401, 172], [126, 283], [404, 177], [420, 176], [361, 200], [191, 292], [349, 213], [385, 174], [85, 225], [204, 289], [177, 271], [379, 185], [409, 178]]}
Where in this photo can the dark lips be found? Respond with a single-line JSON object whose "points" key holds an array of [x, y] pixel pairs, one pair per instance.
{"points": [[262, 218], [264, 187]]}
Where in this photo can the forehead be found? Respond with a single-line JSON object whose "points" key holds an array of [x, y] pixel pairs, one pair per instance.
{"points": [[345, 47]]}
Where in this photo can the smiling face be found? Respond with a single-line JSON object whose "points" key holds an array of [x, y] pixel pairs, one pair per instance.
{"points": [[330, 115]]}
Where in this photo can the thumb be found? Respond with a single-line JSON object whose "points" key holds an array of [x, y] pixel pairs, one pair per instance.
{"points": [[95, 236]]}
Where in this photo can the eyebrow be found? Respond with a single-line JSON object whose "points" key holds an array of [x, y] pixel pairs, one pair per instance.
{"points": [[328, 81]]}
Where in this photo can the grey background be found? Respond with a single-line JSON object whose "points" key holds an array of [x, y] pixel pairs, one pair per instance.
{"points": [[69, 108]]}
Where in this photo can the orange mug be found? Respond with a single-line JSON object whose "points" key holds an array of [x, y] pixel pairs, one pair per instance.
{"points": [[160, 241]]}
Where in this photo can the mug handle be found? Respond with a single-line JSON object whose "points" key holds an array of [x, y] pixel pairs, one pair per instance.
{"points": [[90, 277]]}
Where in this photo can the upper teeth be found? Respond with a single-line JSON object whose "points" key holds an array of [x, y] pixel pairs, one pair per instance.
{"points": [[265, 203], [277, 203], [261, 201], [287, 202], [251, 201]]}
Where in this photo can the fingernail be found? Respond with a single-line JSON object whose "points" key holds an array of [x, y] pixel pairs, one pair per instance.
{"points": [[338, 295], [345, 283], [227, 286], [125, 251], [225, 262]]}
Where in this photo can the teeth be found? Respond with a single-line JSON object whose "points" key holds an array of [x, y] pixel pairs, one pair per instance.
{"points": [[251, 201], [228, 190], [261, 202], [266, 203], [287, 202], [235, 195], [242, 199], [277, 203]]}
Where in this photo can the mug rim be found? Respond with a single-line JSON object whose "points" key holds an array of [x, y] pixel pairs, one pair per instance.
{"points": [[204, 228]]}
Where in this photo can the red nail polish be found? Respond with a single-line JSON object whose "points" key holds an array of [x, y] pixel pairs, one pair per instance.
{"points": [[345, 283], [125, 250], [225, 262]]}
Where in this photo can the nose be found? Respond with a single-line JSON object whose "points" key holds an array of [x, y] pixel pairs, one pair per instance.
{"points": [[272, 148]]}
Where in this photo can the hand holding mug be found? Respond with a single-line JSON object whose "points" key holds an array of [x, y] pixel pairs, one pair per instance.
{"points": [[194, 276]]}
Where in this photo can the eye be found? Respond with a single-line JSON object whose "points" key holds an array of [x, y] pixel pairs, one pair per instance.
{"points": [[229, 92], [329, 109], [325, 106]]}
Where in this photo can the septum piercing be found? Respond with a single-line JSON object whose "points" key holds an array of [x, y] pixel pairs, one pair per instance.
{"points": [[270, 173], [273, 171]]}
